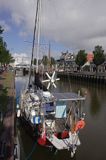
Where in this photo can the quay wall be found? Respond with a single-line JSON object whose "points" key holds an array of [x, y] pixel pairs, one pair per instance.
{"points": [[99, 78]]}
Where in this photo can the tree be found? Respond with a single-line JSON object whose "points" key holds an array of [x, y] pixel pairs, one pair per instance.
{"points": [[8, 58], [81, 58], [34, 61], [5, 56], [1, 30], [52, 61], [2, 48], [99, 56], [45, 60]]}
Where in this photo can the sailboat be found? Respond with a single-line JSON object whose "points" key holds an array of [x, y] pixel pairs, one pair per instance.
{"points": [[55, 119]]}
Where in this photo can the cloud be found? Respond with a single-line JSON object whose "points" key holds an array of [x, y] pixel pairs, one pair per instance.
{"points": [[74, 24], [21, 57]]}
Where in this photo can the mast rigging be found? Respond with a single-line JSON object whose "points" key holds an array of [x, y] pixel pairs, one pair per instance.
{"points": [[33, 43]]}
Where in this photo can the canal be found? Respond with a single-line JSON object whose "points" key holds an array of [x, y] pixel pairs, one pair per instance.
{"points": [[93, 136]]}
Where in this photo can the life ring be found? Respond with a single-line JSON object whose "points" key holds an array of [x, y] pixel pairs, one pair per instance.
{"points": [[79, 125]]}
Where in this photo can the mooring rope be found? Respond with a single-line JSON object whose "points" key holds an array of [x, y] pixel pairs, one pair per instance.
{"points": [[30, 154]]}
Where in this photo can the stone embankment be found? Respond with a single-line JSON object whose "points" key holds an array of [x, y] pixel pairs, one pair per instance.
{"points": [[93, 77]]}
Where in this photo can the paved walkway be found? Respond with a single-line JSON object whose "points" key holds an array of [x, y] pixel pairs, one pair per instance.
{"points": [[8, 133]]}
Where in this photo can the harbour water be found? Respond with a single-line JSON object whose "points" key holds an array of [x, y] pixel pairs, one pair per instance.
{"points": [[93, 136]]}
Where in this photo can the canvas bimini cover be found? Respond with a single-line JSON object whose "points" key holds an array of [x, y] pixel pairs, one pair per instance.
{"points": [[60, 109]]}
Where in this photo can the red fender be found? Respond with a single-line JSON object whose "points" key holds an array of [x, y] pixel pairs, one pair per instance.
{"points": [[79, 125]]}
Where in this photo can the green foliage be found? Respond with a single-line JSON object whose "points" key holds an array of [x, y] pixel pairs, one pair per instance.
{"points": [[5, 56], [99, 56], [45, 60], [34, 61], [80, 58], [52, 61], [1, 30], [48, 62]]}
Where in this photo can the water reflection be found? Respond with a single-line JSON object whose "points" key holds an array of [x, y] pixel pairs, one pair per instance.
{"points": [[95, 103], [21, 83]]}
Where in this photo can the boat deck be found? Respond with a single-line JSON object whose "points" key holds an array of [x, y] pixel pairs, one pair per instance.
{"points": [[56, 125], [64, 143]]}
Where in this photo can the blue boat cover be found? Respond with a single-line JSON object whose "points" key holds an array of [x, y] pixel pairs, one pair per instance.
{"points": [[49, 107]]}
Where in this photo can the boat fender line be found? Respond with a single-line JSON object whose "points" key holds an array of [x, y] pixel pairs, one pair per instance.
{"points": [[79, 125], [30, 154], [55, 151], [73, 149]]}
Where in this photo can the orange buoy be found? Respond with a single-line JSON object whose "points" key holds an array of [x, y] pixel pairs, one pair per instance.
{"points": [[79, 125]]}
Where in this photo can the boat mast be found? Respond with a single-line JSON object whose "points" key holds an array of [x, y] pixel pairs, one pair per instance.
{"points": [[33, 43], [49, 57], [38, 36]]}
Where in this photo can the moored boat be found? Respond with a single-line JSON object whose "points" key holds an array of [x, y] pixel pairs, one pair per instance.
{"points": [[54, 118]]}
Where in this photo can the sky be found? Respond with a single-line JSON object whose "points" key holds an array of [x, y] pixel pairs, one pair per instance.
{"points": [[65, 24]]}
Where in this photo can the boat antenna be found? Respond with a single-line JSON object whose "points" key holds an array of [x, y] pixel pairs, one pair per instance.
{"points": [[33, 43]]}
